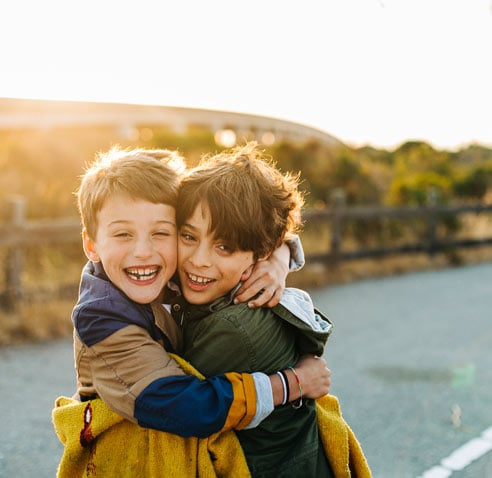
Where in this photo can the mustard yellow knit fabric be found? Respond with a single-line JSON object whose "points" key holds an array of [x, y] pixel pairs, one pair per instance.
{"points": [[100, 443], [339, 441]]}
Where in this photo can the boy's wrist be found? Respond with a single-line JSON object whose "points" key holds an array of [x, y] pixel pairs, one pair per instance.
{"points": [[291, 392]]}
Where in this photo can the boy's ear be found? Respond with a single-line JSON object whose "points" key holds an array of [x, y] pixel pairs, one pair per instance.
{"points": [[247, 273], [89, 247]]}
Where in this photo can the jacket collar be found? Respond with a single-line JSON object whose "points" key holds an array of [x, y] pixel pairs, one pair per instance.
{"points": [[199, 311]]}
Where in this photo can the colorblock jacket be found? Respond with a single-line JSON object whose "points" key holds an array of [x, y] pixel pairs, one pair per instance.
{"points": [[121, 355]]}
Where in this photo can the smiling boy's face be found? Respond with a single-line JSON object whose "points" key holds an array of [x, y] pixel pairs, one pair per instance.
{"points": [[208, 267], [136, 244]]}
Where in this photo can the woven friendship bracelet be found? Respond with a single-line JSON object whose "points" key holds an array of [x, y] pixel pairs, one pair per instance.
{"points": [[297, 405]]}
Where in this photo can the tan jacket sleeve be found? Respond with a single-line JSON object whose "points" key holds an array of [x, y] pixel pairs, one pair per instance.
{"points": [[122, 365]]}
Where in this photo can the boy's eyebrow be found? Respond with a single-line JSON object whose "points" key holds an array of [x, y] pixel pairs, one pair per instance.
{"points": [[187, 224], [125, 221], [165, 221]]}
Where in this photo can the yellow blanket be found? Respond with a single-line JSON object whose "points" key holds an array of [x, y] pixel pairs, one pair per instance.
{"points": [[99, 443], [342, 448]]}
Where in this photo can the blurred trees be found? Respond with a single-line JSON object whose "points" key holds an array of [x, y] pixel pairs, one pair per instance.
{"points": [[406, 176], [44, 165]]}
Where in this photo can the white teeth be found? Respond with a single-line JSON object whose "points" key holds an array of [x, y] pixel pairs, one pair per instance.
{"points": [[199, 280], [142, 274]]}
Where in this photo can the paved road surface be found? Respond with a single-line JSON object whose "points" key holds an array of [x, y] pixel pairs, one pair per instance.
{"points": [[412, 366], [405, 352]]}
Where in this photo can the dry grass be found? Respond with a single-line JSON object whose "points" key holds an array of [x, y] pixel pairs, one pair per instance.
{"points": [[43, 320], [319, 275], [36, 322]]}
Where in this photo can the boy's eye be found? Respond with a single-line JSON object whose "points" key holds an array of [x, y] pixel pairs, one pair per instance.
{"points": [[162, 233], [122, 234], [187, 237], [225, 248]]}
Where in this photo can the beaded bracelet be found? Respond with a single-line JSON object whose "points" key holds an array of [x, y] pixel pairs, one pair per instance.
{"points": [[297, 405]]}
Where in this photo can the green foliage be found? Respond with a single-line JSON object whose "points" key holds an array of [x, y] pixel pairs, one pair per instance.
{"points": [[373, 155], [350, 176], [473, 154], [326, 169], [417, 156], [416, 189], [192, 144], [474, 182], [313, 161]]}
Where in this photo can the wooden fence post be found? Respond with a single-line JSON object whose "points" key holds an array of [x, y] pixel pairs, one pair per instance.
{"points": [[14, 262], [432, 222], [339, 202]]}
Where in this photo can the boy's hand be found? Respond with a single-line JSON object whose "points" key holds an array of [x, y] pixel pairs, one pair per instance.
{"points": [[267, 278], [314, 376]]}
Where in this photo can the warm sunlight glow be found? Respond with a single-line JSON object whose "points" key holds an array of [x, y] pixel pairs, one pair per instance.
{"points": [[225, 137], [366, 71], [268, 138]]}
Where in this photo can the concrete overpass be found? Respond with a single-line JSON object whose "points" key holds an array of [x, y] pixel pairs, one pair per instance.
{"points": [[22, 113]]}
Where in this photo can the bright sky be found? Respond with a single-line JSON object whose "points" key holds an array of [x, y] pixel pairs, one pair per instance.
{"points": [[367, 71]]}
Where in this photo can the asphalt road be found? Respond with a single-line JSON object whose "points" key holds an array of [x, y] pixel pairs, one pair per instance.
{"points": [[405, 353], [411, 361]]}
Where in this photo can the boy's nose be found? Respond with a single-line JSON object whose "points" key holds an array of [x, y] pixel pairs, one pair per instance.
{"points": [[143, 248], [200, 257]]}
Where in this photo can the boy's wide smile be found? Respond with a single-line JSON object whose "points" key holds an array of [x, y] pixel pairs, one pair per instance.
{"points": [[143, 274], [197, 283], [199, 279]]}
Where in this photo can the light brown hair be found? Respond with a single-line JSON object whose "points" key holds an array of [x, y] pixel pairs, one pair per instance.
{"points": [[149, 174], [252, 204]]}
